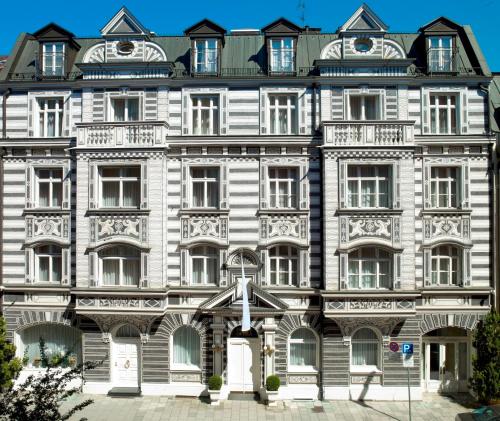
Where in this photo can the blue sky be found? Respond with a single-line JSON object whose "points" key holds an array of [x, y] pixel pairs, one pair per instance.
{"points": [[172, 17]]}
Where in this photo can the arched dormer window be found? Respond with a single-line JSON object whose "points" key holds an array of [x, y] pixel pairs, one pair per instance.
{"points": [[303, 350], [186, 349]]}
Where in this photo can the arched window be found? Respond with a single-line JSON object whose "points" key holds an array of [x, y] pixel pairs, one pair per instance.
{"points": [[284, 262], [446, 264], [365, 350], [186, 349], [63, 345], [370, 268], [303, 350], [205, 265], [48, 264], [120, 266]]}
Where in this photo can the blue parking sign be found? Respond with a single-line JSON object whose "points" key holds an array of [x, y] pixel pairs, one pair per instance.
{"points": [[407, 348]]}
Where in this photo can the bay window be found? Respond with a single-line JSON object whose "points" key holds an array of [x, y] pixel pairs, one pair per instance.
{"points": [[205, 187], [446, 263], [120, 187], [445, 187], [186, 349], [120, 266], [48, 264], [205, 56], [364, 107], [443, 113], [370, 268], [303, 350], [125, 109], [283, 188], [368, 186], [283, 114], [440, 53], [205, 115], [204, 265], [49, 187], [53, 55], [284, 261], [50, 117], [365, 350], [282, 55]]}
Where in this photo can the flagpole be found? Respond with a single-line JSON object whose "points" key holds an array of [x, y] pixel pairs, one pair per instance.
{"points": [[245, 325]]}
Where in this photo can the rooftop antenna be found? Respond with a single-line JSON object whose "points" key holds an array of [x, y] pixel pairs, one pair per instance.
{"points": [[302, 10]]}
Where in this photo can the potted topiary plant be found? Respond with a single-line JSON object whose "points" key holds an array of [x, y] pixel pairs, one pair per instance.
{"points": [[272, 385], [214, 387]]}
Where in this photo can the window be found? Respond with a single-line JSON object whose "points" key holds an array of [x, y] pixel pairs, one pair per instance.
{"points": [[370, 268], [365, 350], [205, 187], [49, 185], [283, 114], [120, 187], [282, 55], [443, 113], [446, 265], [53, 59], [440, 56], [205, 115], [186, 349], [125, 109], [284, 265], [204, 265], [120, 266], [303, 350], [368, 186], [205, 56], [48, 264], [50, 117], [283, 186], [444, 187], [364, 107]]}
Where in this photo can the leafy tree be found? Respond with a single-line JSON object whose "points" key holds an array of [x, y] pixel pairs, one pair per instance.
{"points": [[10, 366], [39, 397], [485, 379]]}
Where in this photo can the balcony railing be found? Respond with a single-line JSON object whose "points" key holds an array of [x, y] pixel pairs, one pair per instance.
{"points": [[123, 134], [369, 133]]}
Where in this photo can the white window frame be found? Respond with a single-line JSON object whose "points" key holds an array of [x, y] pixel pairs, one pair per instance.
{"points": [[450, 109], [121, 259], [120, 179], [366, 368], [42, 105], [50, 181], [439, 259], [52, 70], [379, 101], [435, 182], [278, 65], [289, 258], [377, 179], [377, 260], [292, 106], [443, 65], [214, 114], [127, 99], [51, 255], [184, 367], [291, 181], [207, 66], [205, 181], [303, 368], [205, 257]]}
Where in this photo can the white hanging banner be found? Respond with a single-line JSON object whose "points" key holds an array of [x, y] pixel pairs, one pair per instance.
{"points": [[246, 308]]}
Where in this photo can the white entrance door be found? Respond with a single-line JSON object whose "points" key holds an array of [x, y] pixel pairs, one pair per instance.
{"points": [[243, 364], [125, 363]]}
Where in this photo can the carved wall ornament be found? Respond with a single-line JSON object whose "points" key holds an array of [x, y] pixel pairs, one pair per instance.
{"points": [[332, 51], [385, 325], [186, 377], [370, 304], [118, 226], [302, 379], [369, 228], [48, 227]]}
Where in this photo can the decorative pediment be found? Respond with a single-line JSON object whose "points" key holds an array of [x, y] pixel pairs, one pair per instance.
{"points": [[440, 25], [124, 23], [205, 28], [281, 27], [364, 20]]}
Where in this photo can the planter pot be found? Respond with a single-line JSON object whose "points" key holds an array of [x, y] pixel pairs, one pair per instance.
{"points": [[214, 397], [272, 397]]}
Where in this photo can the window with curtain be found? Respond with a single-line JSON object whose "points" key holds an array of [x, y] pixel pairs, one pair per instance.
{"points": [[445, 187], [60, 341], [284, 262], [443, 113], [120, 266], [440, 54], [283, 114], [48, 264], [282, 55], [365, 350], [204, 265], [283, 188], [120, 187], [125, 109], [370, 268], [303, 350], [49, 185], [205, 114], [205, 56], [50, 117], [364, 107], [205, 187], [446, 264], [53, 58], [186, 349], [369, 186]]}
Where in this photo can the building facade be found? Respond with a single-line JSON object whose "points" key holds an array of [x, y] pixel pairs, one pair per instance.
{"points": [[348, 174]]}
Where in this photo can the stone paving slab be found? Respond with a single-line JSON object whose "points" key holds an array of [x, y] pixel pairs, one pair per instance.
{"points": [[150, 408]]}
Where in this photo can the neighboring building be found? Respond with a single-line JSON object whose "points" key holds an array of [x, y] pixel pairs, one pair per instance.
{"points": [[349, 173], [3, 60]]}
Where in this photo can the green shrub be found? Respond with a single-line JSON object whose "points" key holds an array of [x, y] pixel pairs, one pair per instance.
{"points": [[215, 382], [273, 383]]}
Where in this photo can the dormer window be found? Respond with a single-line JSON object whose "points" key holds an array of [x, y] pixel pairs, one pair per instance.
{"points": [[205, 56], [440, 54], [53, 58], [282, 55]]}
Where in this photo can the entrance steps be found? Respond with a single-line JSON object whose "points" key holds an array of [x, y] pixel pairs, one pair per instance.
{"points": [[125, 392], [244, 396]]}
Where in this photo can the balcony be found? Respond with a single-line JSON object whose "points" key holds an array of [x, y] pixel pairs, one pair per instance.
{"points": [[132, 134], [371, 306], [368, 133]]}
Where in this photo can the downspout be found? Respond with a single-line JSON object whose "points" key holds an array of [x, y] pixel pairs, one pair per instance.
{"points": [[5, 96]]}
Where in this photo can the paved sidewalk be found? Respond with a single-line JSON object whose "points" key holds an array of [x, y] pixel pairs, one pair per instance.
{"points": [[432, 408]]}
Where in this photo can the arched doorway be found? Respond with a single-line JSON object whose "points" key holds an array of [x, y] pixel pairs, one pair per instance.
{"points": [[446, 358], [125, 357], [243, 361]]}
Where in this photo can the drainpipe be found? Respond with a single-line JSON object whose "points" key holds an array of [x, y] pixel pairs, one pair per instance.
{"points": [[2, 153], [5, 96]]}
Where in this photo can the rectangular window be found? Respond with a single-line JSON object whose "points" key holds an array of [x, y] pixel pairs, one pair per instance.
{"points": [[125, 109], [50, 117], [364, 107], [205, 56], [369, 268], [283, 114], [48, 264], [368, 186], [49, 185], [205, 187], [120, 187], [440, 54], [444, 187], [53, 59], [205, 115], [283, 188], [443, 113], [282, 55]]}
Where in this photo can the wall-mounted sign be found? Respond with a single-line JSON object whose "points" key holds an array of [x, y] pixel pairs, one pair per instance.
{"points": [[394, 346]]}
